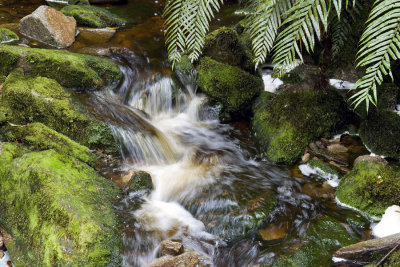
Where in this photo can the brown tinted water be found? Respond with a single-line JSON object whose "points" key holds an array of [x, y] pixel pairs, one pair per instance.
{"points": [[212, 184]]}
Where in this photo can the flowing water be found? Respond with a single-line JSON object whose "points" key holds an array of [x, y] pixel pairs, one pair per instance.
{"points": [[213, 190]]}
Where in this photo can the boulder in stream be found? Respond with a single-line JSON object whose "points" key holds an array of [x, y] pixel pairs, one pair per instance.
{"points": [[370, 187], [82, 72], [59, 210], [91, 16], [188, 259], [287, 122], [26, 100], [234, 88], [7, 36], [49, 26], [141, 181]]}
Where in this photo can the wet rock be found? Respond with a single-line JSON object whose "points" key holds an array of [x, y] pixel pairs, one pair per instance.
{"points": [[224, 45], [321, 239], [7, 36], [61, 200], [322, 170], [370, 158], [70, 70], [380, 133], [306, 157], [187, 259], [88, 35], [91, 16], [26, 100], [49, 26], [370, 187], [313, 146], [273, 232], [141, 181], [369, 251], [320, 144], [171, 248], [342, 159], [287, 122], [337, 148], [229, 85]]}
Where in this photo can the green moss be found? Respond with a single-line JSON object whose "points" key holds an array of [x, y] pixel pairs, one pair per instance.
{"points": [[231, 86], [68, 69], [322, 238], [7, 36], [37, 136], [141, 181], [91, 16], [59, 210], [286, 123], [224, 45], [27, 100], [323, 169], [370, 187], [184, 65], [380, 132]]}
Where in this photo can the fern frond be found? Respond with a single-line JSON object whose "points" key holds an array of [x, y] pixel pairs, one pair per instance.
{"points": [[187, 23], [379, 43], [303, 24], [265, 19], [342, 27]]}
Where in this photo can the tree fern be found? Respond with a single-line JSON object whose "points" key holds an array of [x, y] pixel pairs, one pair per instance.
{"points": [[187, 23], [306, 20], [264, 21], [379, 43]]}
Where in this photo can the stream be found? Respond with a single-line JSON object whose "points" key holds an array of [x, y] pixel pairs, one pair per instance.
{"points": [[213, 189]]}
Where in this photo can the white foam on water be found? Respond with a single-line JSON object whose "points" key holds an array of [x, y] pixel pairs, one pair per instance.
{"points": [[271, 84], [5, 259], [389, 224], [336, 259], [340, 84], [331, 179]]}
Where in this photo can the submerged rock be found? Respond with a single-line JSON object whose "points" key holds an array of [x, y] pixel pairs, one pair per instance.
{"points": [[141, 181], [366, 252], [380, 133], [172, 248], [321, 239], [60, 212], [229, 85], [91, 16], [7, 36], [68, 69], [224, 45], [287, 122], [370, 187], [26, 100], [49, 26]]}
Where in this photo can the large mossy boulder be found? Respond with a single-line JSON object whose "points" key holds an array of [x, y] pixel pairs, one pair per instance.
{"points": [[380, 133], [37, 137], [224, 45], [7, 36], [91, 16], [59, 210], [287, 122], [370, 187], [234, 88], [26, 100], [71, 70], [321, 240]]}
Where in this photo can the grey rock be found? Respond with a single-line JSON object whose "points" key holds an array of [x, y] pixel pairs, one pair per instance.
{"points": [[369, 158], [306, 157], [362, 253], [172, 248], [187, 259], [49, 26]]}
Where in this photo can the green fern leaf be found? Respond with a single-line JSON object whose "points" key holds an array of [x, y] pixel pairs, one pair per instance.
{"points": [[380, 43]]}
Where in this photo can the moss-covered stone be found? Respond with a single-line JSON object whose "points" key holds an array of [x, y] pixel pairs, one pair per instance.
{"points": [[229, 85], [185, 66], [224, 45], [141, 181], [58, 209], [370, 187], [27, 100], [286, 123], [91, 16], [38, 137], [69, 69], [322, 238], [380, 133], [7, 36]]}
